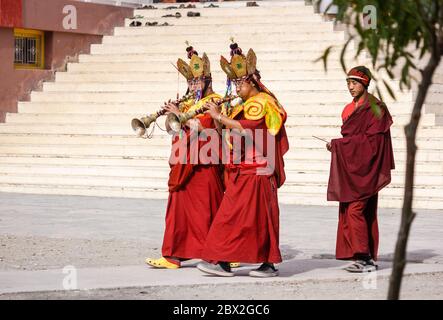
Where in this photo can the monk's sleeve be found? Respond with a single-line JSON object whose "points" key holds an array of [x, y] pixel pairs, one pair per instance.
{"points": [[206, 121], [361, 163], [252, 124]]}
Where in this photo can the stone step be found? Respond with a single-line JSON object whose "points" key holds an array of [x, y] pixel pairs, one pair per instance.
{"points": [[162, 139], [242, 12], [171, 76], [153, 67], [234, 5], [434, 97], [284, 198], [90, 182], [305, 56], [209, 22], [84, 190], [94, 150], [421, 180], [242, 38], [161, 174], [60, 139], [218, 86], [297, 189], [436, 88], [220, 31], [437, 78], [211, 49], [88, 150], [284, 97], [71, 160], [330, 132], [325, 120], [307, 108], [146, 162], [152, 173], [326, 132], [383, 201], [75, 136], [115, 119], [436, 108]]}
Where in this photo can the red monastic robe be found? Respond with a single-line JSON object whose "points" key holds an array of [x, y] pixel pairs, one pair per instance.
{"points": [[196, 192], [246, 226], [361, 164]]}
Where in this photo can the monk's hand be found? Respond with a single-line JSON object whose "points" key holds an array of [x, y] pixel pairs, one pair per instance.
{"points": [[329, 146], [213, 109], [171, 108]]}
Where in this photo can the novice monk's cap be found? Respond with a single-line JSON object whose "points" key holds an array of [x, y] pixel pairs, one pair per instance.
{"points": [[360, 74]]}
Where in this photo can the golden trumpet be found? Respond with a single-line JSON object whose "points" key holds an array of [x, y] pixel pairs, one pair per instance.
{"points": [[140, 126], [174, 122]]}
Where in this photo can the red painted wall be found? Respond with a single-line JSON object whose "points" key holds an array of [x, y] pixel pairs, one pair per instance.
{"points": [[61, 46], [11, 13]]}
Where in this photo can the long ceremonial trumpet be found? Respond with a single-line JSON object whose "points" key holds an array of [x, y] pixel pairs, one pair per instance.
{"points": [[141, 125], [174, 122]]}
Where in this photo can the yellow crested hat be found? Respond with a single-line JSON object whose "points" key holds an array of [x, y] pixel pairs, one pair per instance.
{"points": [[240, 65], [197, 67]]}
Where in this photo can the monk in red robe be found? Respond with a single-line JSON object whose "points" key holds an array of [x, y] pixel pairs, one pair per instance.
{"points": [[195, 189], [246, 226], [361, 164]]}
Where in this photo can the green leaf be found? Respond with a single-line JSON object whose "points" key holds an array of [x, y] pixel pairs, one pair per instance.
{"points": [[390, 91], [324, 57], [343, 52]]}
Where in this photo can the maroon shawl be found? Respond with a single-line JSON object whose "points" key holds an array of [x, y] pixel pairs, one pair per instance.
{"points": [[361, 161]]}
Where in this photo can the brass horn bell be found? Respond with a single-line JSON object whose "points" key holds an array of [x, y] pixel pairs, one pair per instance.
{"points": [[141, 125]]}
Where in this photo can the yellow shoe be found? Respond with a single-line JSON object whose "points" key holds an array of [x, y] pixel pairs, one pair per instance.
{"points": [[234, 264], [161, 263]]}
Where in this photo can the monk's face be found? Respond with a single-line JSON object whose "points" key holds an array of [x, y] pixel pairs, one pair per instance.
{"points": [[195, 84], [356, 89], [244, 88]]}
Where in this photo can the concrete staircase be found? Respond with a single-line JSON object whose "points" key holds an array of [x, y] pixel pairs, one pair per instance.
{"points": [[74, 137]]}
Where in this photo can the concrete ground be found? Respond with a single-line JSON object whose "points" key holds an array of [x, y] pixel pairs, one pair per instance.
{"points": [[96, 247]]}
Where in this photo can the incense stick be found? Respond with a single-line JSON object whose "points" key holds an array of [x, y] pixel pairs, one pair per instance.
{"points": [[321, 139]]}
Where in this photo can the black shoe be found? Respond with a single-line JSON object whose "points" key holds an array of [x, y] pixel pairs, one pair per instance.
{"points": [[135, 24], [149, 7], [252, 4], [193, 14], [266, 270]]}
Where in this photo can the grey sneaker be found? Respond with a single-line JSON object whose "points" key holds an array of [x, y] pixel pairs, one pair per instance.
{"points": [[221, 269], [362, 266], [266, 270]]}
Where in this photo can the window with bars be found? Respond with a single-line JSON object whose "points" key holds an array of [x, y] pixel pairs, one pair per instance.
{"points": [[29, 49]]}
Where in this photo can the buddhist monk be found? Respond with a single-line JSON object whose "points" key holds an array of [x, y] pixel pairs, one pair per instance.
{"points": [[361, 164]]}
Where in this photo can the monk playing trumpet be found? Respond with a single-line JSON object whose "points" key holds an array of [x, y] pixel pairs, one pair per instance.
{"points": [[246, 226], [195, 188]]}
